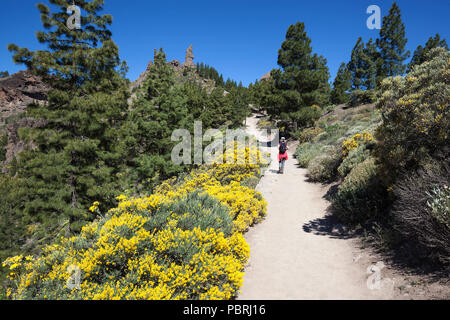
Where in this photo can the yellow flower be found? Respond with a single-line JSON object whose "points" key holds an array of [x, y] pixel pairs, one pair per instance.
{"points": [[136, 253]]}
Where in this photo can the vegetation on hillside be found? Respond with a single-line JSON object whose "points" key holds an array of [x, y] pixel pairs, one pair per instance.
{"points": [[184, 241], [295, 91], [93, 145], [98, 192], [391, 161], [207, 72], [387, 129]]}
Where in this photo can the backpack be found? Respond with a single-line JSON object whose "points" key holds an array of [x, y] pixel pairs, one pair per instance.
{"points": [[283, 148]]}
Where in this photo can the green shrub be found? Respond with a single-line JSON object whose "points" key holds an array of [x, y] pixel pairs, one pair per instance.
{"points": [[332, 133], [353, 158], [361, 196], [359, 97], [415, 111], [195, 210], [324, 167], [328, 109], [265, 123], [152, 250], [251, 182], [308, 134], [307, 116], [307, 152], [439, 204], [3, 143], [12, 229]]}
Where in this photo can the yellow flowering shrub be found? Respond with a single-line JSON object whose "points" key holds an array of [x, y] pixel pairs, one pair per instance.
{"points": [[416, 113], [308, 134], [182, 242], [264, 124], [355, 141]]}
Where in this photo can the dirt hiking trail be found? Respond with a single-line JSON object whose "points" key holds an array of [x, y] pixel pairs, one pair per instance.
{"points": [[297, 252]]}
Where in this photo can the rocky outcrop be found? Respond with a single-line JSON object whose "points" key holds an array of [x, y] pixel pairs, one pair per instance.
{"points": [[18, 91], [183, 72], [14, 144], [266, 76], [189, 60], [140, 80], [176, 65]]}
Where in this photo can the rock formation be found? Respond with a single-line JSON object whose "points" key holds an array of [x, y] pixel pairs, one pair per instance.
{"points": [[266, 76], [18, 91], [15, 145], [176, 65], [189, 61], [140, 80], [181, 74]]}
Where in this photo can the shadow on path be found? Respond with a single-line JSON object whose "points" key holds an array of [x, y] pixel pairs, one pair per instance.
{"points": [[328, 226]]}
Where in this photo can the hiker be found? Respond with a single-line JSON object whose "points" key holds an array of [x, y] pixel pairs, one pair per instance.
{"points": [[282, 154]]}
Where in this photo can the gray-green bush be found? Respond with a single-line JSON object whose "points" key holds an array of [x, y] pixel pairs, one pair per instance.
{"points": [[324, 168], [197, 209], [360, 197], [307, 152], [353, 158]]}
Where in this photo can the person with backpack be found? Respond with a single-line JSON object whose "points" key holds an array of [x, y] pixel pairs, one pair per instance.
{"points": [[282, 154]]}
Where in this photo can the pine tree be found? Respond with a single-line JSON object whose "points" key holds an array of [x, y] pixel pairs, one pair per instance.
{"points": [[420, 53], [392, 44], [239, 101], [4, 74], [355, 66], [341, 85], [303, 78], [208, 72], [363, 65], [76, 160], [161, 109], [370, 62]]}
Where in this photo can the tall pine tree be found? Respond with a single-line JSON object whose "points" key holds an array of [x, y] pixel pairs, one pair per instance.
{"points": [[363, 65], [75, 159], [370, 60], [341, 85], [303, 80], [420, 53], [355, 66], [161, 107], [391, 43]]}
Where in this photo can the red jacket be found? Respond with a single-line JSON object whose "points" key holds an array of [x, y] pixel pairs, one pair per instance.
{"points": [[282, 155]]}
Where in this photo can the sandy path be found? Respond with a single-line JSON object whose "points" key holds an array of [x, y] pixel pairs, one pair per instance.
{"points": [[294, 252]]}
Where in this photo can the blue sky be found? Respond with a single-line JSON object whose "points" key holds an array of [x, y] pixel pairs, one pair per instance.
{"points": [[240, 38]]}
